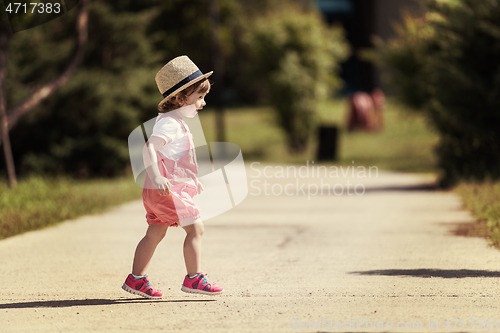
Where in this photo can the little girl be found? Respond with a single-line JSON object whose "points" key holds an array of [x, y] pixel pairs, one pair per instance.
{"points": [[171, 180]]}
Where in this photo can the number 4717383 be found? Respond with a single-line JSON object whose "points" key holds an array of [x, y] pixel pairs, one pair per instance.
{"points": [[472, 323], [43, 8]]}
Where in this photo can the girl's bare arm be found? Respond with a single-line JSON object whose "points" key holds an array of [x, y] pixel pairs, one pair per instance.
{"points": [[151, 163]]}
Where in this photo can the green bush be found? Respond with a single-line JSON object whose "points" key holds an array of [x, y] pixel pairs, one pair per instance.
{"points": [[447, 63], [83, 128], [294, 56], [483, 200]]}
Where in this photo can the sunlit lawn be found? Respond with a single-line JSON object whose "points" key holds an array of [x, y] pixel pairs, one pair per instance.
{"points": [[405, 144]]}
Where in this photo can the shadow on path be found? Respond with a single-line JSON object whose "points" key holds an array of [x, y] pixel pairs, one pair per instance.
{"points": [[428, 273], [430, 187], [87, 302]]}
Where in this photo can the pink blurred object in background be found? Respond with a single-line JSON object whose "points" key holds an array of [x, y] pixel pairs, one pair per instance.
{"points": [[366, 111]]}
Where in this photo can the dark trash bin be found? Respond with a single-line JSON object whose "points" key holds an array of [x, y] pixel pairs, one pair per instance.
{"points": [[328, 143]]}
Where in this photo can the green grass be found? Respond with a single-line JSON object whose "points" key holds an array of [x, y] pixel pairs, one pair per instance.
{"points": [[405, 144], [40, 202], [483, 200]]}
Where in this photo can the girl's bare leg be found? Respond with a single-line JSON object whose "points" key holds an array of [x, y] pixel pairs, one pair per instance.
{"points": [[146, 248], [192, 247]]}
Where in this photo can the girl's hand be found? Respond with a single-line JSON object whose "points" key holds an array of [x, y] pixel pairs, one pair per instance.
{"points": [[200, 187], [162, 184]]}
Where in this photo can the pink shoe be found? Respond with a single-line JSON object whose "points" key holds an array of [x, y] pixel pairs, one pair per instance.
{"points": [[141, 287], [200, 285]]}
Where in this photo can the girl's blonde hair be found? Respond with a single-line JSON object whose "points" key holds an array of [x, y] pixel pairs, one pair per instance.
{"points": [[176, 101]]}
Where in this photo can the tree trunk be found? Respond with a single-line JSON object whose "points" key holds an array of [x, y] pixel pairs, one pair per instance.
{"points": [[218, 68], [9, 118], [5, 34], [364, 21], [43, 92]]}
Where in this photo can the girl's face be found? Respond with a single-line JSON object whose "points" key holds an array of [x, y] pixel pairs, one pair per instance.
{"points": [[198, 99]]}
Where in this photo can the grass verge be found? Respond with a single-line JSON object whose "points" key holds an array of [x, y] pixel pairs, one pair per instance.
{"points": [[483, 201], [40, 202], [405, 144]]}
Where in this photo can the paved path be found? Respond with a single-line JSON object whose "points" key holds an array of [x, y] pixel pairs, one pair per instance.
{"points": [[286, 262]]}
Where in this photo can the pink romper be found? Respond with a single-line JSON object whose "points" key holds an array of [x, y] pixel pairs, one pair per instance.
{"points": [[170, 210]]}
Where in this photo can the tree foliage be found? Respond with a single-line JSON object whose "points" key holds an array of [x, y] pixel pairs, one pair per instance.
{"points": [[295, 58], [10, 117], [447, 63], [82, 130]]}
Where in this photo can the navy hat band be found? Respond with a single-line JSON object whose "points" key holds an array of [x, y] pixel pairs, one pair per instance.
{"points": [[186, 80]]}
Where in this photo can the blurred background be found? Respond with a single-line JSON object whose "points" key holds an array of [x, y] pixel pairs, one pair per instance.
{"points": [[405, 85]]}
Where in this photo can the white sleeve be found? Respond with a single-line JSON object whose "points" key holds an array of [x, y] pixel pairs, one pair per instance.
{"points": [[167, 129]]}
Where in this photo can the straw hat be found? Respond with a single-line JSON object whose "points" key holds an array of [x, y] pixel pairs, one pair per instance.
{"points": [[178, 74]]}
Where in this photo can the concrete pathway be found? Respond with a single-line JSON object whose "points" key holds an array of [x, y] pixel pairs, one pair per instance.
{"points": [[289, 257]]}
